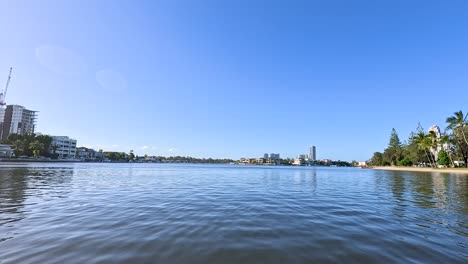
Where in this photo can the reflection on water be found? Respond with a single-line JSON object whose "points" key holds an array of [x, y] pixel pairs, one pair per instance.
{"points": [[162, 213], [17, 183], [13, 186], [440, 194]]}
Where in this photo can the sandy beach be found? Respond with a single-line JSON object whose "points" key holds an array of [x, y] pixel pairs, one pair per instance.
{"points": [[447, 170]]}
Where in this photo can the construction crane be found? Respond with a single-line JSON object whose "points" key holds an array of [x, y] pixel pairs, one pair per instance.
{"points": [[4, 92]]}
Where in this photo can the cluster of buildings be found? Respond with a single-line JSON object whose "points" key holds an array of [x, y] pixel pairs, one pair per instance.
{"points": [[272, 159], [304, 159], [89, 154], [17, 119]]}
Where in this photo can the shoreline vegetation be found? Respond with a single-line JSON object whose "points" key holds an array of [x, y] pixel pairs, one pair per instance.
{"points": [[433, 149], [158, 159], [41, 148], [422, 169]]}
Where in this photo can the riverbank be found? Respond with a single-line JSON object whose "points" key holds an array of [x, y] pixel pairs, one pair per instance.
{"points": [[446, 170]]}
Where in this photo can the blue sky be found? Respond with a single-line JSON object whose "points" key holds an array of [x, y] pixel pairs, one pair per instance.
{"points": [[236, 78]]}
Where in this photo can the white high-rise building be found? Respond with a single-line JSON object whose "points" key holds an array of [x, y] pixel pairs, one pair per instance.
{"points": [[312, 154], [64, 147], [16, 119]]}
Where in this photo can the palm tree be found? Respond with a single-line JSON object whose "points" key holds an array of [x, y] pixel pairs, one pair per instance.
{"points": [[36, 148], [131, 155], [457, 122], [429, 144], [18, 145], [434, 144], [446, 141], [423, 142]]}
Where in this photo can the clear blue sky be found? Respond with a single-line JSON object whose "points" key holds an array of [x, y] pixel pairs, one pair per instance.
{"points": [[236, 78]]}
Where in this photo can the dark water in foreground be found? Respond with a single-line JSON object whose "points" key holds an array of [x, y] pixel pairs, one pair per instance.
{"points": [[133, 213]]}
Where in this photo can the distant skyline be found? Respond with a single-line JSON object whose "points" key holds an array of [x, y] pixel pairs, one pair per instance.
{"points": [[231, 79]]}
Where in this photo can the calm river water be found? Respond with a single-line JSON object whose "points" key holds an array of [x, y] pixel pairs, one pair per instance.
{"points": [[167, 213]]}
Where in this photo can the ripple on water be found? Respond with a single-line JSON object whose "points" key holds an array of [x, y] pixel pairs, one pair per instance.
{"points": [[140, 213]]}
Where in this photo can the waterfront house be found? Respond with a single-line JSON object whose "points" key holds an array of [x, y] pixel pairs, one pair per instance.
{"points": [[88, 154], [6, 151]]}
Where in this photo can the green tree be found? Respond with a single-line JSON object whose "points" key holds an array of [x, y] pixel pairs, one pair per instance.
{"points": [[19, 147], [405, 162], [446, 142], [461, 151], [394, 140], [394, 152], [433, 143], [377, 159], [457, 124], [22, 144], [36, 147], [413, 152], [424, 143], [131, 156], [443, 158], [46, 141], [113, 156]]}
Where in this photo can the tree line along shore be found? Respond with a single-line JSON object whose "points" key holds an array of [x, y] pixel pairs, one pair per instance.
{"points": [[432, 149], [41, 148]]}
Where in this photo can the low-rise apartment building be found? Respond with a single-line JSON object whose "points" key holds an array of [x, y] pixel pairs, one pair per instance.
{"points": [[63, 147]]}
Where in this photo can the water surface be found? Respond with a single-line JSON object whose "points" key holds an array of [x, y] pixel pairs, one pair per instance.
{"points": [[166, 213]]}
